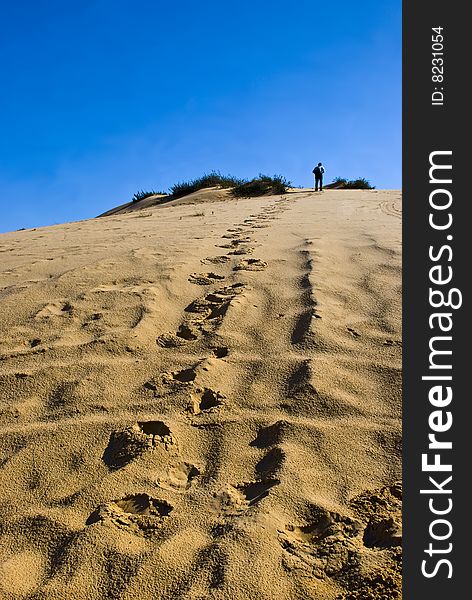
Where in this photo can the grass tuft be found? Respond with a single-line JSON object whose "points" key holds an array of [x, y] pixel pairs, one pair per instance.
{"points": [[353, 184], [141, 195], [261, 186], [212, 179]]}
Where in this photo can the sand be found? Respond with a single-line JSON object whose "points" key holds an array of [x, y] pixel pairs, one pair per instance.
{"points": [[203, 400]]}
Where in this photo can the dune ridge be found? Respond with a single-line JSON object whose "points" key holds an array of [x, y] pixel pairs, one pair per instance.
{"points": [[203, 400]]}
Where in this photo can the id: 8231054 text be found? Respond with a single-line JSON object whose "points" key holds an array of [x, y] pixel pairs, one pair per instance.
{"points": [[437, 66]]}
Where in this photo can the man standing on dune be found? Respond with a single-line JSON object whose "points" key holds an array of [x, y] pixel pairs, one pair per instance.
{"points": [[318, 173]]}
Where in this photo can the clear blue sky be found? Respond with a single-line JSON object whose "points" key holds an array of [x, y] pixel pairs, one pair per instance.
{"points": [[101, 98]]}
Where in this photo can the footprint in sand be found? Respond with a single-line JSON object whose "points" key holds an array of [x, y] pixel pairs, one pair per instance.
{"points": [[270, 464], [187, 332], [382, 509], [389, 342], [220, 351], [326, 543], [251, 264], [179, 477], [216, 303], [242, 250], [205, 399], [271, 435], [230, 236], [215, 260], [170, 340], [55, 309], [207, 310], [183, 376], [204, 278], [255, 491], [353, 332], [140, 513], [234, 500], [129, 444], [236, 242], [323, 544], [382, 533], [210, 307]]}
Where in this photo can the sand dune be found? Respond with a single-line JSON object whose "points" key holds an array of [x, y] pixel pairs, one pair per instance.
{"points": [[204, 401]]}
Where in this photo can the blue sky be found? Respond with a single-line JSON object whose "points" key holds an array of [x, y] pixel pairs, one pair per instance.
{"points": [[101, 98]]}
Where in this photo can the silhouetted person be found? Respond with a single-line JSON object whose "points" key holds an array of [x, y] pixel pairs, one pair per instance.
{"points": [[318, 173]]}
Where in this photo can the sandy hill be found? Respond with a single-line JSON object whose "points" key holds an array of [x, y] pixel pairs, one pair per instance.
{"points": [[203, 401], [206, 195], [157, 201]]}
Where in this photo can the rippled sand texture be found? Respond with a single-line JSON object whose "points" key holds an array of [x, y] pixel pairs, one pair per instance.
{"points": [[203, 401]]}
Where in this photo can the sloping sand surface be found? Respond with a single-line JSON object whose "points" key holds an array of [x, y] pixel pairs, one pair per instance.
{"points": [[204, 401]]}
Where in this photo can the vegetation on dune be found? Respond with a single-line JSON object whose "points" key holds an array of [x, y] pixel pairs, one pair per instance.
{"points": [[341, 181], [261, 186], [212, 179], [242, 188], [353, 184], [141, 195]]}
